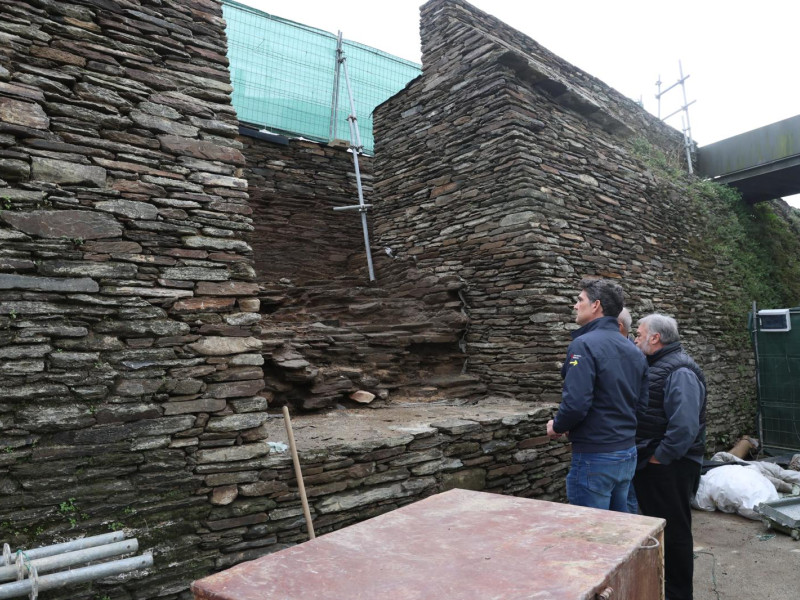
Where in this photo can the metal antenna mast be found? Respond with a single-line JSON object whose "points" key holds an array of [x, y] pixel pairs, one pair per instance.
{"points": [[355, 147], [685, 124]]}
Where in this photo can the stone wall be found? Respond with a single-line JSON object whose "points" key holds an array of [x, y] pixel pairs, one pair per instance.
{"points": [[357, 468], [128, 314], [293, 190], [521, 174]]}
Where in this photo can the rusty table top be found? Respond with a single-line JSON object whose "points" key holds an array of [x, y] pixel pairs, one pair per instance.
{"points": [[458, 544]]}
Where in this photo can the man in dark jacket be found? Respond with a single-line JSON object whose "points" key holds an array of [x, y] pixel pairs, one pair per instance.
{"points": [[605, 382], [670, 440]]}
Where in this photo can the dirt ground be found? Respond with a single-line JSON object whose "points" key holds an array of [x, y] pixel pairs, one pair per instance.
{"points": [[740, 559]]}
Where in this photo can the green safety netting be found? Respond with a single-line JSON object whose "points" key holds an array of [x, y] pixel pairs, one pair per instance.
{"points": [[778, 363], [283, 76]]}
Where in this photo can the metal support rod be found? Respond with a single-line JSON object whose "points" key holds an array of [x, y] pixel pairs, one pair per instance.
{"points": [[687, 145], [677, 83], [67, 559], [685, 105], [58, 580], [658, 95], [682, 108], [760, 423], [298, 473], [355, 148], [355, 207], [335, 99], [80, 544], [686, 125]]}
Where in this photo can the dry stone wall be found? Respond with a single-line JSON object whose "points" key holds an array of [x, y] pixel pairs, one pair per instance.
{"points": [[293, 190], [357, 468], [519, 173], [129, 345]]}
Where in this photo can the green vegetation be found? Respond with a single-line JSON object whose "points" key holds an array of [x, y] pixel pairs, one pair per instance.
{"points": [[755, 247]]}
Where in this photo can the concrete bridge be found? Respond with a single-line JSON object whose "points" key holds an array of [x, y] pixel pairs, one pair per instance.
{"points": [[762, 164]]}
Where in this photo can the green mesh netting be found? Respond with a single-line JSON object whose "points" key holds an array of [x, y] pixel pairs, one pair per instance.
{"points": [[283, 76], [779, 384]]}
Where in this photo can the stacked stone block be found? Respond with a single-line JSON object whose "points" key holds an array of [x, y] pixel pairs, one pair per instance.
{"points": [[501, 448], [514, 170], [128, 308]]}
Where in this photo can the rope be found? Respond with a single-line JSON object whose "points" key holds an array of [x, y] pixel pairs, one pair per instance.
{"points": [[652, 546]]}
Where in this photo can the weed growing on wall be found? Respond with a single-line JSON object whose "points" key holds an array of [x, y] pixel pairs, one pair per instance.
{"points": [[756, 247]]}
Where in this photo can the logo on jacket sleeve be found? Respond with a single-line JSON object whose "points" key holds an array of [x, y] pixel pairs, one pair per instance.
{"points": [[573, 359]]}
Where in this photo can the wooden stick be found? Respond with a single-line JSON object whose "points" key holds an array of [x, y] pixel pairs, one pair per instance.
{"points": [[298, 474]]}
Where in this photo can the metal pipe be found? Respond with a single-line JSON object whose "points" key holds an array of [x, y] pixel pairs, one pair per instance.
{"points": [[759, 415], [79, 544], [58, 561], [355, 148], [335, 99], [682, 108], [352, 104], [58, 580], [298, 473]]}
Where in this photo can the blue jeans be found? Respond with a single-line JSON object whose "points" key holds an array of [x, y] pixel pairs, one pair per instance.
{"points": [[601, 479]]}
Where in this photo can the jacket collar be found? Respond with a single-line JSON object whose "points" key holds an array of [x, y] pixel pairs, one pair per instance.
{"points": [[662, 352], [601, 323]]}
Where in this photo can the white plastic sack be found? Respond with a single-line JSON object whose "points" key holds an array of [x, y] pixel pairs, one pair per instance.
{"points": [[734, 489]]}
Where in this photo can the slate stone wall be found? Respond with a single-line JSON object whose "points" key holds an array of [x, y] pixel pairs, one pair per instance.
{"points": [[501, 449], [128, 312], [516, 171], [293, 190]]}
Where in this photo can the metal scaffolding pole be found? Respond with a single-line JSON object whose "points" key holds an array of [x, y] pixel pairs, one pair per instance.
{"points": [[356, 147], [685, 124], [25, 565]]}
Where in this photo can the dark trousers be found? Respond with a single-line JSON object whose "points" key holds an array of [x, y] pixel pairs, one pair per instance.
{"points": [[665, 491]]}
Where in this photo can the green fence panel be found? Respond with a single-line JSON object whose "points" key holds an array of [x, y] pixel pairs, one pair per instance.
{"points": [[283, 75], [778, 357]]}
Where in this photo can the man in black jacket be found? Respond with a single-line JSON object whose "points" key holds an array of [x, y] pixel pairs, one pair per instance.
{"points": [[670, 440], [605, 383]]}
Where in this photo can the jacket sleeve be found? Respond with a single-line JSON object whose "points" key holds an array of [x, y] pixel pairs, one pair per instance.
{"points": [[576, 397], [683, 396], [644, 393]]}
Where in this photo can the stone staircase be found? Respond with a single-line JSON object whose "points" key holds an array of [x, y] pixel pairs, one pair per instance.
{"points": [[401, 341]]}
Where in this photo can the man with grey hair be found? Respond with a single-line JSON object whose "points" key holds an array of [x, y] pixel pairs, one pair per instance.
{"points": [[670, 442], [624, 320]]}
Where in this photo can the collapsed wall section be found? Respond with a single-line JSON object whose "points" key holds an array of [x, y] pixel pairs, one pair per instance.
{"points": [[519, 173], [130, 367], [327, 331]]}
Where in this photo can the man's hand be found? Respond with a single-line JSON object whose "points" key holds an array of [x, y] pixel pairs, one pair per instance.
{"points": [[654, 460], [551, 433]]}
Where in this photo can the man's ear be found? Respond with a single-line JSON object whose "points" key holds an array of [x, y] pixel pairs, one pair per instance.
{"points": [[597, 307]]}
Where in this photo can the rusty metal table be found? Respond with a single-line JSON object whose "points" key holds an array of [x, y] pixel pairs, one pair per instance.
{"points": [[462, 545]]}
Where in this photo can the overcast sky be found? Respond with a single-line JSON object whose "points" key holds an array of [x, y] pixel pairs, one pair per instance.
{"points": [[741, 56]]}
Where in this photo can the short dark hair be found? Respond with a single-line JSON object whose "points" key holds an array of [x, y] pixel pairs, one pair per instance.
{"points": [[610, 294]]}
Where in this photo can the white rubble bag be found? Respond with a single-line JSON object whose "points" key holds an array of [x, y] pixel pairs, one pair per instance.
{"points": [[733, 488]]}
